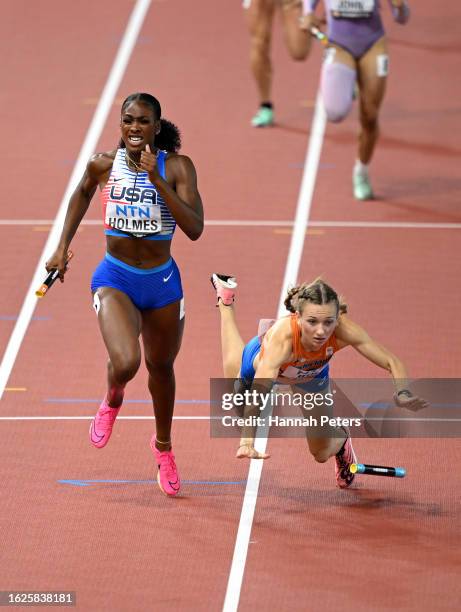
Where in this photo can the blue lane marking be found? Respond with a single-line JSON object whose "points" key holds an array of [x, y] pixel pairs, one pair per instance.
{"points": [[87, 483], [85, 400], [82, 400]]}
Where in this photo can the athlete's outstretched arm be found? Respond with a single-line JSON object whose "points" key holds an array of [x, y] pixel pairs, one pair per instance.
{"points": [[78, 205], [349, 333], [277, 351]]}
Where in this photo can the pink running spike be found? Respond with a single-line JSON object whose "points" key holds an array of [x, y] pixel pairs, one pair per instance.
{"points": [[344, 459], [225, 288], [101, 425], [167, 475]]}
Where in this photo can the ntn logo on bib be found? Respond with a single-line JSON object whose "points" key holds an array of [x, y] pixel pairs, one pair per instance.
{"points": [[133, 218]]}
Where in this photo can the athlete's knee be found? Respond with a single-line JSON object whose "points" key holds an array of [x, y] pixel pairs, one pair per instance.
{"points": [[160, 367], [298, 54], [369, 118], [336, 113], [369, 109], [369, 125], [320, 451], [125, 365], [337, 86], [321, 455], [259, 53], [299, 47]]}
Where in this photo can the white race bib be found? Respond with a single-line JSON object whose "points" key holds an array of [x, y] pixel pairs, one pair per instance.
{"points": [[298, 374], [352, 9], [137, 219]]}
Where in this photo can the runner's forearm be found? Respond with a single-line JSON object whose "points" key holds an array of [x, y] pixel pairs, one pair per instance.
{"points": [[78, 205]]}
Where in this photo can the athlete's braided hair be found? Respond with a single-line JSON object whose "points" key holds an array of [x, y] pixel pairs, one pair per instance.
{"points": [[316, 292], [169, 137]]}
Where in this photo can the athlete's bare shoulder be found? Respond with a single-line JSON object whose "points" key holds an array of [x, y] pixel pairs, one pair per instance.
{"points": [[175, 158], [280, 331], [278, 342], [180, 168], [100, 163], [348, 332]]}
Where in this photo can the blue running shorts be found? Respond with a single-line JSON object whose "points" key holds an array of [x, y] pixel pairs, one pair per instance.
{"points": [[251, 349], [148, 288]]}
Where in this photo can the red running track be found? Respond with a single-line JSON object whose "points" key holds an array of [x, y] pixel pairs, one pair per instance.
{"points": [[123, 546]]}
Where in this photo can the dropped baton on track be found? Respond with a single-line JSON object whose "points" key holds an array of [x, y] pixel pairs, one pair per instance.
{"points": [[377, 470]]}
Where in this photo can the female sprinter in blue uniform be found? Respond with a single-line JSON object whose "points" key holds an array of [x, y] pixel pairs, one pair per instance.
{"points": [[146, 189], [296, 350]]}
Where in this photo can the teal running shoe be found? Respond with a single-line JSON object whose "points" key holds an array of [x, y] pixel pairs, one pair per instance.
{"points": [[263, 118], [362, 187]]}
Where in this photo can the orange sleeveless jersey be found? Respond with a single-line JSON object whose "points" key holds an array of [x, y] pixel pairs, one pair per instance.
{"points": [[306, 365]]}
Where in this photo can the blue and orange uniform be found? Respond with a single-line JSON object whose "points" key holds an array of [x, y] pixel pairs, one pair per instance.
{"points": [[133, 209], [304, 367]]}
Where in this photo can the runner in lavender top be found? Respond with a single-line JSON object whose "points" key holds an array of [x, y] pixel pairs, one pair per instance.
{"points": [[356, 57]]}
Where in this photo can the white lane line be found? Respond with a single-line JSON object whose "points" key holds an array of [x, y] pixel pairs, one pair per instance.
{"points": [[94, 132], [265, 223], [91, 417], [340, 224], [208, 418], [385, 224], [314, 149]]}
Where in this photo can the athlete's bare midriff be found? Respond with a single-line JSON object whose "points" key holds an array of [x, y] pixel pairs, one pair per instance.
{"points": [[138, 252]]}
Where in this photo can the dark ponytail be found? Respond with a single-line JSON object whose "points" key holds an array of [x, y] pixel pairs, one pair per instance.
{"points": [[169, 137]]}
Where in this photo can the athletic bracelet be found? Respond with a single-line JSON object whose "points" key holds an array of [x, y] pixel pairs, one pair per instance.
{"points": [[406, 392]]}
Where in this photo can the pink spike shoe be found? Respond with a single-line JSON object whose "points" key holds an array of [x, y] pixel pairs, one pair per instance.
{"points": [[167, 475], [344, 458], [225, 288], [101, 425]]}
